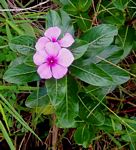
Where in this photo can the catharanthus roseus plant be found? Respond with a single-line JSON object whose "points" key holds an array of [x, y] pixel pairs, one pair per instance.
{"points": [[51, 57], [79, 58]]}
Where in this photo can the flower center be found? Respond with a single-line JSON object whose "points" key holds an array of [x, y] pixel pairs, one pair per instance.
{"points": [[51, 61], [54, 39]]}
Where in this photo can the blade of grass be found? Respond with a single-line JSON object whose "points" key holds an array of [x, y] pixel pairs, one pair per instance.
{"points": [[15, 114], [5, 6], [14, 26], [6, 136], [4, 117]]}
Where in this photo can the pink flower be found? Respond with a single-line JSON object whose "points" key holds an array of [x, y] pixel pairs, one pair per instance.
{"points": [[53, 61], [51, 35]]}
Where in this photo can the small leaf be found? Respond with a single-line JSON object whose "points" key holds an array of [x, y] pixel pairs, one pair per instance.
{"points": [[82, 136], [120, 4], [125, 40], [22, 44]]}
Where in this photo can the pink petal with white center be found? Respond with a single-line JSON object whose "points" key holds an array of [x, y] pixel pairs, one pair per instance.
{"points": [[40, 44], [40, 57], [53, 33], [65, 57], [67, 40], [44, 71], [59, 71], [52, 49]]}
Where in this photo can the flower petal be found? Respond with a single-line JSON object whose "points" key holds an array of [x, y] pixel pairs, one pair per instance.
{"points": [[44, 71], [39, 57], [52, 49], [65, 57], [53, 33], [40, 44], [59, 71], [67, 40]]}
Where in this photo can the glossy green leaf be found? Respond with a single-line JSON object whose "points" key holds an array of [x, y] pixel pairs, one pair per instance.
{"points": [[23, 44], [100, 36], [93, 113], [91, 74], [125, 40], [56, 90], [82, 136], [99, 92], [37, 99], [79, 48], [112, 53], [68, 108], [118, 75], [60, 19], [20, 74]]}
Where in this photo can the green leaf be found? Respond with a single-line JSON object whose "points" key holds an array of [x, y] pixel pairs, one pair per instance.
{"points": [[91, 74], [133, 68], [82, 136], [103, 74], [93, 113], [84, 22], [20, 74], [112, 53], [114, 17], [37, 99], [119, 76], [56, 90], [120, 4], [125, 40], [23, 44], [76, 6], [68, 108], [100, 36], [84, 5], [99, 92], [60, 19], [79, 48]]}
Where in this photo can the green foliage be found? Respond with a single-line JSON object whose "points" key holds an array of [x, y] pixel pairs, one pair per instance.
{"points": [[21, 74], [22, 44], [104, 33]]}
